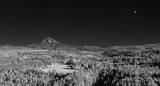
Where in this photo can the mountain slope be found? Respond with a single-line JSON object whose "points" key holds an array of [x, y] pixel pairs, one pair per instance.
{"points": [[50, 43]]}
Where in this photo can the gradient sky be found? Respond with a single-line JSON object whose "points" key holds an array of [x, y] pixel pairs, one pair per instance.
{"points": [[80, 23]]}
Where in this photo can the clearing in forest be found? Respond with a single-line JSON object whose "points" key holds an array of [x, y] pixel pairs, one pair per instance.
{"points": [[63, 69]]}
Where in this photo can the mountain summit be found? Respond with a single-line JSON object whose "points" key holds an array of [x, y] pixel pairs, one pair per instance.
{"points": [[49, 41]]}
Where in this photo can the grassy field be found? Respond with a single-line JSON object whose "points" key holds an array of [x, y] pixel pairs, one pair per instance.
{"points": [[63, 69]]}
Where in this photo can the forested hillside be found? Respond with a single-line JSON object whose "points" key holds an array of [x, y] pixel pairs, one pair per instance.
{"points": [[113, 66]]}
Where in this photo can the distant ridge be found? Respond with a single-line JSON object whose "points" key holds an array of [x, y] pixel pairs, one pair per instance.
{"points": [[49, 42]]}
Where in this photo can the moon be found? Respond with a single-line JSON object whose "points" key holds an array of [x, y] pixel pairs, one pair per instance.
{"points": [[135, 12]]}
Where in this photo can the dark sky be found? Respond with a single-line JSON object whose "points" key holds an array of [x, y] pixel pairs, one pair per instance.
{"points": [[80, 23]]}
